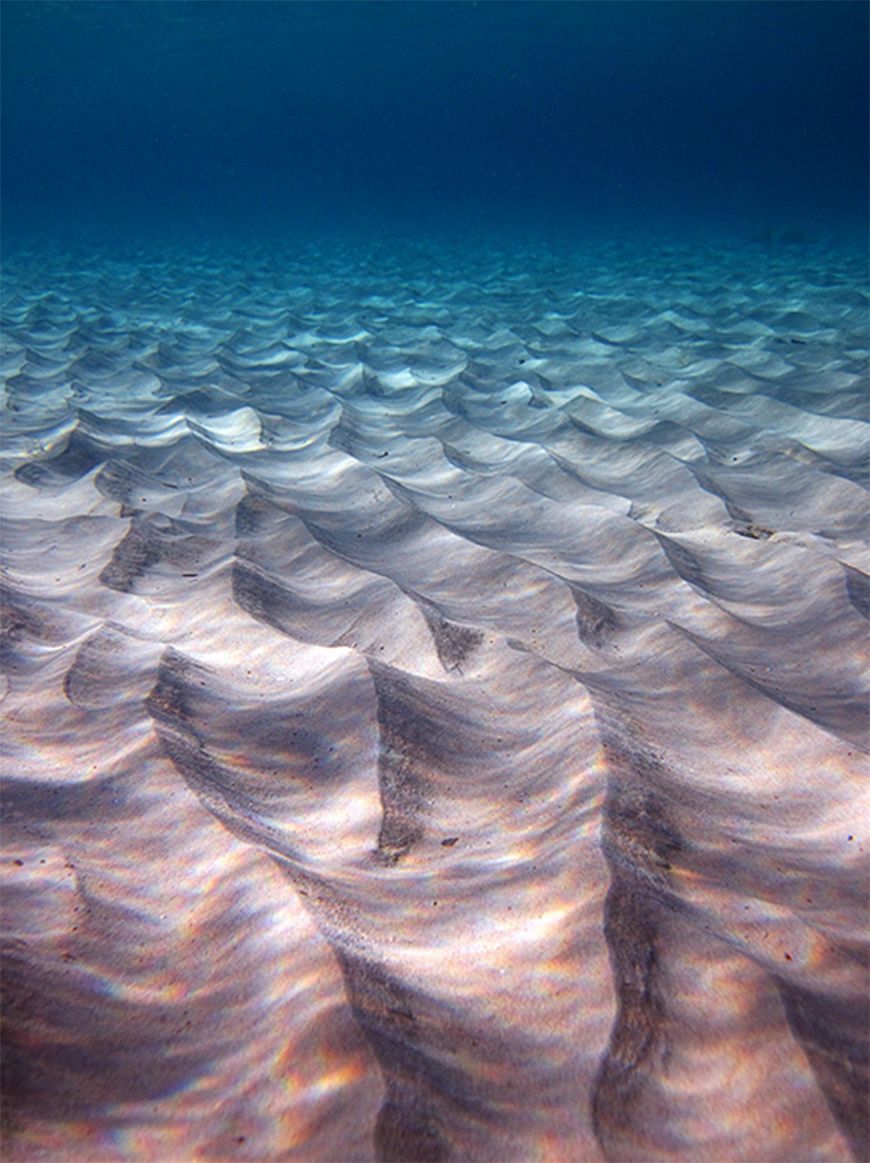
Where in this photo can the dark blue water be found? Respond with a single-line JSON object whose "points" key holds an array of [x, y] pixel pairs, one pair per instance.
{"points": [[622, 117]]}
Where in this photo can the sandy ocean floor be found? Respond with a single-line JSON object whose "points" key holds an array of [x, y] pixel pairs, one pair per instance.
{"points": [[434, 706]]}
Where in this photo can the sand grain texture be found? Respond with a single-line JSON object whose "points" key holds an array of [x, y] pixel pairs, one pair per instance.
{"points": [[434, 705]]}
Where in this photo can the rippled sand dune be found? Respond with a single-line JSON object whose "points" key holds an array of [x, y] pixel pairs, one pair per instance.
{"points": [[434, 706]]}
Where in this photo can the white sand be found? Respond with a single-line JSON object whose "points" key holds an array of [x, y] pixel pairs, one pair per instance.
{"points": [[370, 618]]}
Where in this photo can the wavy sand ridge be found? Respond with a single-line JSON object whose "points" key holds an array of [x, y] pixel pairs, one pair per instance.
{"points": [[434, 706]]}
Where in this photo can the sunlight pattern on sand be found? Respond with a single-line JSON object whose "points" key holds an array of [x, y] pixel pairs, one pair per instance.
{"points": [[434, 700]]}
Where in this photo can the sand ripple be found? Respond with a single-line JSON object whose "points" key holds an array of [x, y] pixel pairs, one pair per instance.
{"points": [[434, 687]]}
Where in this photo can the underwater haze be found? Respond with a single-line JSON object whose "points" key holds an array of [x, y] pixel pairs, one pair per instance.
{"points": [[435, 582], [208, 116]]}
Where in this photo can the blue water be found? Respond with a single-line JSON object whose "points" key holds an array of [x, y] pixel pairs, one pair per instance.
{"points": [[211, 118]]}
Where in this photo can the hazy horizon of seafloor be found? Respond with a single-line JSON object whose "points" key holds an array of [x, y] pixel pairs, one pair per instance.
{"points": [[434, 702]]}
